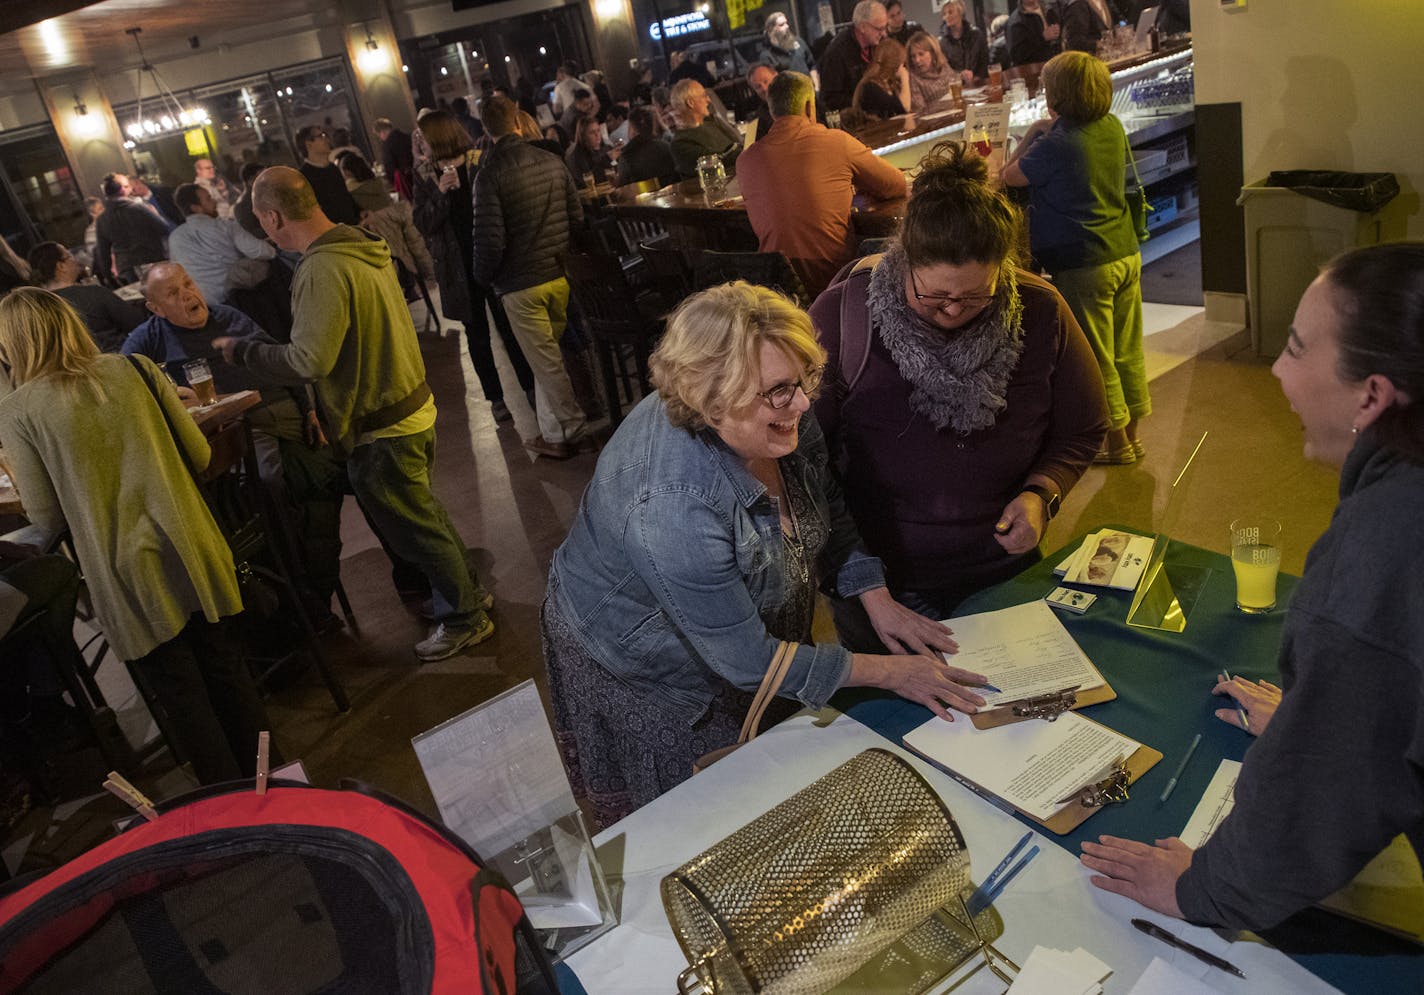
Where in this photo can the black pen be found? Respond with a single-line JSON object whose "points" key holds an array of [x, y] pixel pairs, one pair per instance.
{"points": [[1154, 930]]}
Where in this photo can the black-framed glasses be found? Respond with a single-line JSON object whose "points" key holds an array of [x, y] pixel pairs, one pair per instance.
{"points": [[943, 301], [781, 395]]}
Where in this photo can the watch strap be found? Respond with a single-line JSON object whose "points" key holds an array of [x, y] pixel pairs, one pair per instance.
{"points": [[1051, 499]]}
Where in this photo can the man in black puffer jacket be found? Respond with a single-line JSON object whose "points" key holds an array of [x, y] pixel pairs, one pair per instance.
{"points": [[525, 210]]}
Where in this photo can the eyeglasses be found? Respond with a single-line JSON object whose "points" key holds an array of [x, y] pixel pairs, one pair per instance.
{"points": [[943, 301], [781, 395]]}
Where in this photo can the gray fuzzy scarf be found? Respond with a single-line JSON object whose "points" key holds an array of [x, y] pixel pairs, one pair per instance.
{"points": [[958, 379]]}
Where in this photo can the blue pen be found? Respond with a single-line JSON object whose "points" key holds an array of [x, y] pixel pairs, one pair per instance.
{"points": [[985, 687], [993, 896], [982, 891]]}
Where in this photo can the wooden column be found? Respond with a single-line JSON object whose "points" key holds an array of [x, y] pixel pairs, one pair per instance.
{"points": [[92, 142]]}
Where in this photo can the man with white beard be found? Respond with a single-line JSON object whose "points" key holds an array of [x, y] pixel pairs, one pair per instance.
{"points": [[782, 49]]}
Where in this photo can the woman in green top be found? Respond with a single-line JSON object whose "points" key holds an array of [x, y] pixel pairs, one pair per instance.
{"points": [[1075, 165], [91, 452]]}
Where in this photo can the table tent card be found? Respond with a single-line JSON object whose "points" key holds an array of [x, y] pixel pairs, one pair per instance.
{"points": [[497, 779]]}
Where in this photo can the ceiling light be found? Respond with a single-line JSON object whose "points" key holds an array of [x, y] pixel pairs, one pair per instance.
{"points": [[328, 88], [543, 50], [405, 68]]}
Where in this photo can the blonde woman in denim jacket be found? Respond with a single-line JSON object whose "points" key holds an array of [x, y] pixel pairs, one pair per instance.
{"points": [[698, 549]]}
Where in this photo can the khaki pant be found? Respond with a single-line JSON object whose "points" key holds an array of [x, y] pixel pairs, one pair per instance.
{"points": [[538, 316], [1107, 301]]}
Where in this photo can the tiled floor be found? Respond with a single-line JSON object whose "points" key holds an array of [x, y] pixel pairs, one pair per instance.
{"points": [[513, 511]]}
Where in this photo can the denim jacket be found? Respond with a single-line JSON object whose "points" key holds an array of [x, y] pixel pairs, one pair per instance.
{"points": [[675, 552]]}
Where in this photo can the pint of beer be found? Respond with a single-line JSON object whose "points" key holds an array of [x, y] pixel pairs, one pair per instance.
{"points": [[200, 378]]}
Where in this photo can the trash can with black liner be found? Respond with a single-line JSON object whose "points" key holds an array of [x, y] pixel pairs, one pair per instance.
{"points": [[1296, 220]]}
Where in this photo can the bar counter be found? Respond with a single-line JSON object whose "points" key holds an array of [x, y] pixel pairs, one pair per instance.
{"points": [[695, 223]]}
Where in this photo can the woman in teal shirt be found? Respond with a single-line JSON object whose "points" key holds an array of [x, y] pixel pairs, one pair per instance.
{"points": [[1081, 232]]}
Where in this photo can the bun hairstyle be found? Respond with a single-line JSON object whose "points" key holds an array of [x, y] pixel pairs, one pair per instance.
{"points": [[954, 216], [1378, 293]]}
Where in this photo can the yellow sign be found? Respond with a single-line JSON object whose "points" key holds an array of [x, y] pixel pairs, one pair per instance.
{"points": [[737, 12], [200, 144]]}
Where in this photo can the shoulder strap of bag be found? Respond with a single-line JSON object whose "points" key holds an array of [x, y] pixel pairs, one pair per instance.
{"points": [[153, 391], [770, 685], [1131, 159], [855, 347]]}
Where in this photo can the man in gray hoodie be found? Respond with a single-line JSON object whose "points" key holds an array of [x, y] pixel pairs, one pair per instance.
{"points": [[352, 336]]}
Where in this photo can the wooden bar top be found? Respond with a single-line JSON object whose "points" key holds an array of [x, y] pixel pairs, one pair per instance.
{"points": [[684, 203]]}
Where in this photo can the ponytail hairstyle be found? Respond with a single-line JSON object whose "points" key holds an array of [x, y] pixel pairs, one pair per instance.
{"points": [[954, 216], [1379, 295]]}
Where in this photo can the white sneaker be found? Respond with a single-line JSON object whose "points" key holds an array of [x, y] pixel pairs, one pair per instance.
{"points": [[446, 642]]}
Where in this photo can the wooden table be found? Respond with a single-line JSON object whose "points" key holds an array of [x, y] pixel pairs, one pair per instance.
{"points": [[227, 409]]}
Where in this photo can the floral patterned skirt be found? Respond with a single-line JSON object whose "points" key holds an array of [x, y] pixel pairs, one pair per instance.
{"points": [[623, 747]]}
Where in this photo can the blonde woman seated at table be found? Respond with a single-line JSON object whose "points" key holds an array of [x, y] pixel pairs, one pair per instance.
{"points": [[698, 549], [1338, 769], [884, 89], [92, 453], [930, 74]]}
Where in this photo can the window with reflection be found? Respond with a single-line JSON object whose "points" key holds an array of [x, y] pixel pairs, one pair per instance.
{"points": [[234, 122], [38, 183]]}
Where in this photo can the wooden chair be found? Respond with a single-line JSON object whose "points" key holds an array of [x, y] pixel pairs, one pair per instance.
{"points": [[668, 275], [615, 319], [765, 269]]}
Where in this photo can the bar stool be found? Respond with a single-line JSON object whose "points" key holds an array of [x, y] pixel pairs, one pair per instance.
{"points": [[249, 519]]}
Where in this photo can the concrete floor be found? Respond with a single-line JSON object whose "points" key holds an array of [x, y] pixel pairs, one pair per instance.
{"points": [[513, 512]]}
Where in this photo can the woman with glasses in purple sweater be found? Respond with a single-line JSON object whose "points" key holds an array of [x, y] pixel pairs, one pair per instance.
{"points": [[963, 401]]}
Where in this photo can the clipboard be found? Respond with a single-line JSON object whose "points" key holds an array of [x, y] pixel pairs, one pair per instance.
{"points": [[1041, 707], [1073, 815]]}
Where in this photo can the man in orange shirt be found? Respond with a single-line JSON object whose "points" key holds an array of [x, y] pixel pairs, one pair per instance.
{"points": [[799, 179]]}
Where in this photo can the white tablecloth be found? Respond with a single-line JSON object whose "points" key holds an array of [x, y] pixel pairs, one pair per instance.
{"points": [[1051, 903]]}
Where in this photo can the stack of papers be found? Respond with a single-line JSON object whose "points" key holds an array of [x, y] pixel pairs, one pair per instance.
{"points": [[1108, 558], [1058, 972]]}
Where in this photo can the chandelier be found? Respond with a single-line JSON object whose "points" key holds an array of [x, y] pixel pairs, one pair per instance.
{"points": [[169, 115]]}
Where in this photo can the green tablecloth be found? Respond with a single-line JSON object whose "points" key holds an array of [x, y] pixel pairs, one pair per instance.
{"points": [[1163, 681]]}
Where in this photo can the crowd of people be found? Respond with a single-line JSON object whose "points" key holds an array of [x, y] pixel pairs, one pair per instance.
{"points": [[782, 454]]}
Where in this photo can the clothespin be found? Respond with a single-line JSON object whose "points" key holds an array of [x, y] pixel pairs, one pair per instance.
{"points": [[121, 789], [264, 763], [1046, 706], [1107, 787]]}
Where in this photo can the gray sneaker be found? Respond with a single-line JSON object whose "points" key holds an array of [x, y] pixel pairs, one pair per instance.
{"points": [[446, 642]]}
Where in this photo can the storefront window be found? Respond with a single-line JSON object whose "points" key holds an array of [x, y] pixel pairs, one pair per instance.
{"points": [[252, 119], [38, 181]]}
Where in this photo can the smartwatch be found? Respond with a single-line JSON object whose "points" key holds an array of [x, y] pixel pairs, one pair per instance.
{"points": [[1051, 499]]}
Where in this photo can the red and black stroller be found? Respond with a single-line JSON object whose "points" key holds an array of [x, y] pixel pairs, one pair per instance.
{"points": [[298, 890]]}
